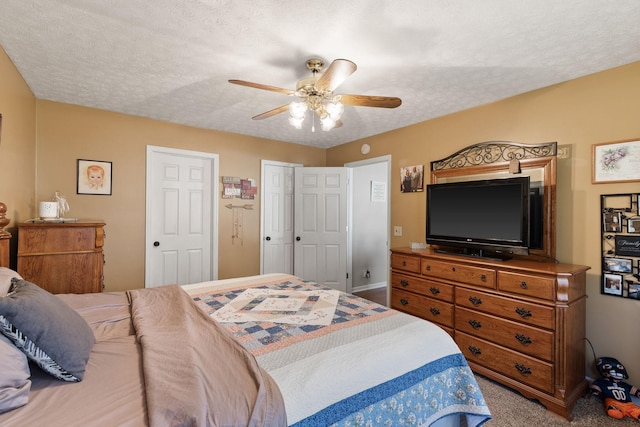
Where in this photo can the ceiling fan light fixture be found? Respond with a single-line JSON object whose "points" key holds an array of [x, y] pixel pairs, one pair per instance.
{"points": [[315, 93], [327, 122], [297, 109], [296, 122], [334, 110]]}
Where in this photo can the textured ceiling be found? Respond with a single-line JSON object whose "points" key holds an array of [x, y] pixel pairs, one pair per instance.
{"points": [[171, 60]]}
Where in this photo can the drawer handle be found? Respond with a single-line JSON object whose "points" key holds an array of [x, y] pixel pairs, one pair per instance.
{"points": [[404, 283], [434, 311], [523, 369], [428, 267], [475, 301], [524, 313], [483, 277], [475, 324], [404, 301], [404, 263], [453, 269], [434, 290], [474, 350], [523, 285], [524, 340]]}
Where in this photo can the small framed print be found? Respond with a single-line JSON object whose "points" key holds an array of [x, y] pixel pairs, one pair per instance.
{"points": [[618, 265], [633, 225], [612, 284], [411, 178], [634, 291], [616, 162], [612, 222], [94, 177]]}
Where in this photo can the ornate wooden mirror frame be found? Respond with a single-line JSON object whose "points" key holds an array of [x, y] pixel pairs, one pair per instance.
{"points": [[499, 159]]}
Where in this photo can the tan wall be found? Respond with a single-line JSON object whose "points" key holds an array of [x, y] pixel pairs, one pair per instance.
{"points": [[603, 107], [17, 143], [67, 133]]}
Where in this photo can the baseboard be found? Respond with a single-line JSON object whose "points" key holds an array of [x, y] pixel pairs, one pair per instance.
{"points": [[369, 287]]}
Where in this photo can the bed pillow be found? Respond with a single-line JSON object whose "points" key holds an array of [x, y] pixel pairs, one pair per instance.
{"points": [[14, 376], [6, 274], [47, 330]]}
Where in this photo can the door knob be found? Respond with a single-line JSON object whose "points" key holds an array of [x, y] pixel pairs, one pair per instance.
{"points": [[156, 243], [267, 238], [298, 238]]}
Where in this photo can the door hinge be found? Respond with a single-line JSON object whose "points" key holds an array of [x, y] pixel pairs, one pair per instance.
{"points": [[347, 275]]}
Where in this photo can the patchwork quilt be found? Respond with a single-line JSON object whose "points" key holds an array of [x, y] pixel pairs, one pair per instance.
{"points": [[340, 360]]}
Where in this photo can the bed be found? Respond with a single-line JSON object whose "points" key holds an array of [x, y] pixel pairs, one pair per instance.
{"points": [[262, 350]]}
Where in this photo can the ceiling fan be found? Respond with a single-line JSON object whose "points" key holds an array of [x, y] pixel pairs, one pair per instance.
{"points": [[316, 94]]}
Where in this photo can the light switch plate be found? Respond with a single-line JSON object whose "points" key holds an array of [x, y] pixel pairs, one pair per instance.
{"points": [[397, 230]]}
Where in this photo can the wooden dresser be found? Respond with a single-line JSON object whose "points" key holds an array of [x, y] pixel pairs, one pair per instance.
{"points": [[521, 323], [62, 258]]}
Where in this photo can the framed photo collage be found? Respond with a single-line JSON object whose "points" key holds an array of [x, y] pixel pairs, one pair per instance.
{"points": [[620, 228]]}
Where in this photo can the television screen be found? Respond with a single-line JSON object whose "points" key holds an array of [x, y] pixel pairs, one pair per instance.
{"points": [[488, 215]]}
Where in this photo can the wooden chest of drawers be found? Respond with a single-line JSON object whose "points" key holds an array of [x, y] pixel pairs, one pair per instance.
{"points": [[62, 258], [521, 323]]}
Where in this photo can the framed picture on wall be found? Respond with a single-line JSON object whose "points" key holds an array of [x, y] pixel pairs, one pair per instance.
{"points": [[616, 162], [94, 177], [612, 284], [633, 225], [412, 178], [612, 221], [618, 265], [634, 291]]}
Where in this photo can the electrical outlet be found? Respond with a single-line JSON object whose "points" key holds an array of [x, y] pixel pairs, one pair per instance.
{"points": [[397, 230]]}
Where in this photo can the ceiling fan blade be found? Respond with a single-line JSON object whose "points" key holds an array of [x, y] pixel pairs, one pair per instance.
{"points": [[261, 86], [371, 101], [271, 113], [336, 74]]}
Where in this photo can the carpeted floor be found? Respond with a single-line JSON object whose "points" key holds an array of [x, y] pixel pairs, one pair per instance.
{"points": [[511, 409]]}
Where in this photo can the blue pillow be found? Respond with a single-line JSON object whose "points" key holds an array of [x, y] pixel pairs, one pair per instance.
{"points": [[53, 335]]}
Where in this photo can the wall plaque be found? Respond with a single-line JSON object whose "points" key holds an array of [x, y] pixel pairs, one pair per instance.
{"points": [[628, 245]]}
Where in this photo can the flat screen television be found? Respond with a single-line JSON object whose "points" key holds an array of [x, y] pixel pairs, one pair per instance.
{"points": [[487, 218]]}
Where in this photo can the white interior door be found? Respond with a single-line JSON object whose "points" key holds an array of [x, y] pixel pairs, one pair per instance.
{"points": [[181, 226], [320, 224], [277, 218]]}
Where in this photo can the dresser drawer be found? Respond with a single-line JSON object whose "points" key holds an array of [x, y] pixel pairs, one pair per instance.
{"points": [[525, 369], [532, 286], [58, 239], [526, 312], [425, 287], [421, 306], [525, 339], [484, 277], [405, 262]]}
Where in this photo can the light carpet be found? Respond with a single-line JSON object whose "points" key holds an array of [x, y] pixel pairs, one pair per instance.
{"points": [[510, 408]]}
